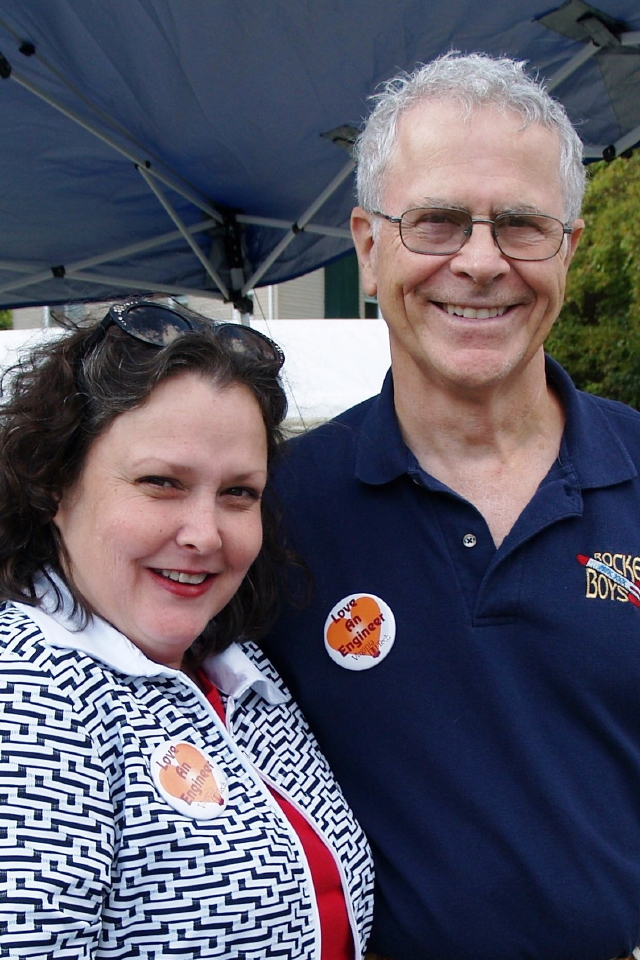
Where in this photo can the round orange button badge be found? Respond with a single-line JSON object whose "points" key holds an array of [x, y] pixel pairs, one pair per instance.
{"points": [[188, 779], [360, 631]]}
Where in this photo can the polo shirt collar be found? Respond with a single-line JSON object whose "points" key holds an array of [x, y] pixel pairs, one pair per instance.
{"points": [[589, 447], [382, 454]]}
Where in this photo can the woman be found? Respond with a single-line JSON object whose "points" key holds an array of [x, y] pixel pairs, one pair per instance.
{"points": [[162, 795]]}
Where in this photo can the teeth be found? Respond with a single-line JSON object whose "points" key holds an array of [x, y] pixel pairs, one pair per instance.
{"points": [[484, 313], [180, 577]]}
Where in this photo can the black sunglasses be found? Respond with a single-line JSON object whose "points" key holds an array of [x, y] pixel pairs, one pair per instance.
{"points": [[159, 325]]}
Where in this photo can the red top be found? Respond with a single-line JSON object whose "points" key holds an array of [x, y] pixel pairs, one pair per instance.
{"points": [[336, 939]]}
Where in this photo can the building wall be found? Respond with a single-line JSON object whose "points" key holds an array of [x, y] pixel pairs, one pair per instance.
{"points": [[208, 307], [29, 317]]}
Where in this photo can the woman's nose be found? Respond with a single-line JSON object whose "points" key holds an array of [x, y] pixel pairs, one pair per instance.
{"points": [[200, 527]]}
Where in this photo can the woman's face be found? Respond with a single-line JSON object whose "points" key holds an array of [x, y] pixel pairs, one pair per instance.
{"points": [[164, 521]]}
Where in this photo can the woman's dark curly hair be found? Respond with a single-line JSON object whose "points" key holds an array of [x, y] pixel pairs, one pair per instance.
{"points": [[63, 395]]}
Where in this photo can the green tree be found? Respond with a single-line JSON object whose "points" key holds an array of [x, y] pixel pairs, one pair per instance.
{"points": [[6, 320], [597, 336]]}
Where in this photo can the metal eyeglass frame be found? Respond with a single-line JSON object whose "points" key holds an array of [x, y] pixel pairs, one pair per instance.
{"points": [[467, 231]]}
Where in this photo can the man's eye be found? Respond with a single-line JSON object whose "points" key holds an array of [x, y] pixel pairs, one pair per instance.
{"points": [[443, 218], [524, 223], [436, 219]]}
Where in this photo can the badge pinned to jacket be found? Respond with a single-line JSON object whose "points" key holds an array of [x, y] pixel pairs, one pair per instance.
{"points": [[188, 779], [359, 631]]}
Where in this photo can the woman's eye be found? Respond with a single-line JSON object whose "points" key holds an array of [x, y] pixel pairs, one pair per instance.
{"points": [[163, 482], [246, 493]]}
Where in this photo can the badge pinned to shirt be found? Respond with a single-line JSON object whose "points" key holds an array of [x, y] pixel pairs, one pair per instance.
{"points": [[188, 779], [359, 631]]}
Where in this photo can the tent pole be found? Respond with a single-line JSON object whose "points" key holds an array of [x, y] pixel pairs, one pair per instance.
{"points": [[298, 227], [609, 151], [629, 140], [287, 225], [588, 51], [183, 230], [94, 261], [18, 266], [183, 191], [119, 282], [148, 172]]}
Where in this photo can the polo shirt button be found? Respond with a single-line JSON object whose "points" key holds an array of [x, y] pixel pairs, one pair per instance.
{"points": [[469, 540]]}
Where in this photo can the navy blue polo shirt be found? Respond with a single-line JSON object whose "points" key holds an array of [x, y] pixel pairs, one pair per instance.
{"points": [[491, 747]]}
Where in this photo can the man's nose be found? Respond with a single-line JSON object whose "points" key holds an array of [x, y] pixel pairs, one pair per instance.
{"points": [[480, 256]]}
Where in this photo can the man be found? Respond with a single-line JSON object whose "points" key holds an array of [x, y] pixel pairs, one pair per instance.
{"points": [[470, 657]]}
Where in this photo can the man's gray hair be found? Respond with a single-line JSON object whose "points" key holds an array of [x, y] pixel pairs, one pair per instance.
{"points": [[471, 80]]}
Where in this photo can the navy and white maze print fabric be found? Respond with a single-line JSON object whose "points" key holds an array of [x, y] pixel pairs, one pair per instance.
{"points": [[94, 862]]}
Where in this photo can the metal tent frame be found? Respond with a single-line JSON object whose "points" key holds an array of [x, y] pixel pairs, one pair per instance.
{"points": [[215, 234]]}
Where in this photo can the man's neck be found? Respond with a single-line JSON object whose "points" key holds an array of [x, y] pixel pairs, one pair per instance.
{"points": [[492, 446]]}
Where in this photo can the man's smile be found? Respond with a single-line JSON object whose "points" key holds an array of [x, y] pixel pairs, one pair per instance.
{"points": [[473, 313]]}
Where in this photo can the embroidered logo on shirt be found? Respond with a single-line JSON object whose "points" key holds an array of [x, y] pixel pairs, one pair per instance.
{"points": [[188, 779], [359, 631], [612, 576]]}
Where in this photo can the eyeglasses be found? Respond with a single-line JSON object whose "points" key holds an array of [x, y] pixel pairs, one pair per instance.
{"points": [[159, 325], [440, 232]]}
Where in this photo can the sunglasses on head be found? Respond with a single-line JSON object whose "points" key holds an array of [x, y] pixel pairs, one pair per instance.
{"points": [[159, 325]]}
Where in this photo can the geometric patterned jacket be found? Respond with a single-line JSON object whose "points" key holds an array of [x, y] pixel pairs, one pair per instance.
{"points": [[97, 861]]}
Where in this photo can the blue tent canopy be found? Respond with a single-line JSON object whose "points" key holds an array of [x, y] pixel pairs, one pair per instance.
{"points": [[190, 146]]}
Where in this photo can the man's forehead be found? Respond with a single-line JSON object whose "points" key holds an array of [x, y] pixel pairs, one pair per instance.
{"points": [[443, 133], [450, 113]]}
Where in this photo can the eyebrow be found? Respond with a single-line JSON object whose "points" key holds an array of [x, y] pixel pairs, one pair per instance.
{"points": [[520, 208], [443, 204], [155, 464], [438, 202]]}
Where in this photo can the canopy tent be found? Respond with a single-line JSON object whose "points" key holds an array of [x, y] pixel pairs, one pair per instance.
{"points": [[190, 146]]}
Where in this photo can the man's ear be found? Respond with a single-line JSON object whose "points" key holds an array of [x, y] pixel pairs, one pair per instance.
{"points": [[362, 231], [574, 240]]}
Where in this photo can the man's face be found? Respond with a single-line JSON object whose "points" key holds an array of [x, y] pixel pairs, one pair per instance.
{"points": [[472, 319]]}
